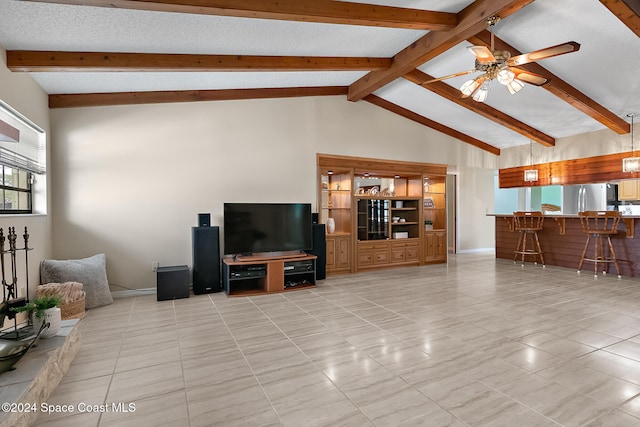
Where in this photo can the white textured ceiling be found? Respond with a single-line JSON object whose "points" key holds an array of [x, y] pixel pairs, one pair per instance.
{"points": [[605, 68]]}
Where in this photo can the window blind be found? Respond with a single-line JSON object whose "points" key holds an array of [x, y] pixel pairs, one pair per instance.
{"points": [[28, 151]]}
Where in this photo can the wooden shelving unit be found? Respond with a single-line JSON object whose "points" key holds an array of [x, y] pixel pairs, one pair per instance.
{"points": [[435, 219], [363, 196]]}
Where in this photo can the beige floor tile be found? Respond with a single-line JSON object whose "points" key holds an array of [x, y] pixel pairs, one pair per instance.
{"points": [[76, 420], [167, 409], [452, 345], [146, 382], [614, 418], [237, 403], [92, 391]]}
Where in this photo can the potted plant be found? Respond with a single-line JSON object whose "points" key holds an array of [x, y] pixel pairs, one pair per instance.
{"points": [[44, 309]]}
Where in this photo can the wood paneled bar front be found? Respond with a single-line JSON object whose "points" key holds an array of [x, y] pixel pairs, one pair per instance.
{"points": [[563, 240]]}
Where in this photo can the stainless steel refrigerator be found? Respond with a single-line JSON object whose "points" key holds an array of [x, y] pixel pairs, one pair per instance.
{"points": [[584, 197]]}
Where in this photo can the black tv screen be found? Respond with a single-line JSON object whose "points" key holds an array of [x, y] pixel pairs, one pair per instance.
{"points": [[266, 227]]}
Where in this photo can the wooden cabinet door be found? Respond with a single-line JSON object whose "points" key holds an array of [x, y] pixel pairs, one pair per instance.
{"points": [[331, 253], [441, 246], [429, 246], [398, 255], [435, 247], [338, 254], [343, 254], [628, 190], [412, 253]]}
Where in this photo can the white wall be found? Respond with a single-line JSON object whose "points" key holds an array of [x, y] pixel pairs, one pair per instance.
{"points": [[476, 231], [130, 180], [22, 93]]}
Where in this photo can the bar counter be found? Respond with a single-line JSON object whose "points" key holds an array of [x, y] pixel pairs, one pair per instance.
{"points": [[562, 242]]}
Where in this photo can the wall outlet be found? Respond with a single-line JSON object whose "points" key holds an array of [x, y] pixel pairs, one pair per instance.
{"points": [[155, 265]]}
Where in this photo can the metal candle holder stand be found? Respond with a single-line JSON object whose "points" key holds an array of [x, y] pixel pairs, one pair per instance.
{"points": [[10, 298]]}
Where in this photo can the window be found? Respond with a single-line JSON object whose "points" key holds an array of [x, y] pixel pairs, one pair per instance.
{"points": [[15, 188], [22, 154]]}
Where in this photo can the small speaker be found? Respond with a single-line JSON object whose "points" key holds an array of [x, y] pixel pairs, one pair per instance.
{"points": [[204, 220], [314, 217], [320, 250]]}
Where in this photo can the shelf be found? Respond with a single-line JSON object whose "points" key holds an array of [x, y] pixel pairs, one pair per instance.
{"points": [[404, 223], [338, 233]]}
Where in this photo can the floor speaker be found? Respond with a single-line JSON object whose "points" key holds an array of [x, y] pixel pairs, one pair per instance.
{"points": [[206, 259], [172, 282], [320, 250]]}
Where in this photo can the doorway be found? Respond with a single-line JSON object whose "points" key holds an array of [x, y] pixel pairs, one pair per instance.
{"points": [[451, 195]]}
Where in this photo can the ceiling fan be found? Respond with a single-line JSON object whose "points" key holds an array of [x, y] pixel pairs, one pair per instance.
{"points": [[501, 66]]}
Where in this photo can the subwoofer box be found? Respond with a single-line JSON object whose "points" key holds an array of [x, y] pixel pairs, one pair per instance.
{"points": [[172, 282]]}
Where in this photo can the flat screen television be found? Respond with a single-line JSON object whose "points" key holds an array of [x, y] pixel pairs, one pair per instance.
{"points": [[251, 228]]}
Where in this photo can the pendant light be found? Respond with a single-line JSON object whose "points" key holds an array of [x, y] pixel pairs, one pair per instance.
{"points": [[531, 175], [631, 164]]}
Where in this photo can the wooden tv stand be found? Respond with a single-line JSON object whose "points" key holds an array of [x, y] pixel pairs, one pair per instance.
{"points": [[263, 275]]}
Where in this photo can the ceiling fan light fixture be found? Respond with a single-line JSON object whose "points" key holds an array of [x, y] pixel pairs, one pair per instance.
{"points": [[531, 175], [515, 86], [505, 76], [469, 87], [481, 94], [631, 164]]}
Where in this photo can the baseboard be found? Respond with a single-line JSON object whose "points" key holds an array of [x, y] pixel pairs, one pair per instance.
{"points": [[467, 251], [133, 292]]}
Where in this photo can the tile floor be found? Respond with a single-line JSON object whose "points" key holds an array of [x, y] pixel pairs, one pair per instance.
{"points": [[479, 342]]}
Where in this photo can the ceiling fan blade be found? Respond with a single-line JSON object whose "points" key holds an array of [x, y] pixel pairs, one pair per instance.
{"points": [[482, 53], [461, 73], [537, 55], [528, 77]]}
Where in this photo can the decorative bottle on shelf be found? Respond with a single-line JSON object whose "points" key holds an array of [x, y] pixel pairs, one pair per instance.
{"points": [[331, 225]]}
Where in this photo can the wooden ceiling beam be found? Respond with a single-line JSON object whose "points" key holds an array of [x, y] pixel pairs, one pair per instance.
{"points": [[559, 87], [159, 97], [323, 11], [627, 11], [41, 61], [486, 111], [471, 20], [394, 108]]}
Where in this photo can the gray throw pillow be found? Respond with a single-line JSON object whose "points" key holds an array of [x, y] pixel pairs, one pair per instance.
{"points": [[91, 272]]}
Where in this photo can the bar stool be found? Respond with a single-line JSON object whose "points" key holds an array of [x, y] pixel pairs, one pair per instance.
{"points": [[528, 224], [599, 224]]}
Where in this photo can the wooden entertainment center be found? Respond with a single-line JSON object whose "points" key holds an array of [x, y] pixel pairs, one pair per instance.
{"points": [[259, 275], [386, 213]]}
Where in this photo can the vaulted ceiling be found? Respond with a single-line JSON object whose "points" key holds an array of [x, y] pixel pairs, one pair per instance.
{"points": [[116, 52]]}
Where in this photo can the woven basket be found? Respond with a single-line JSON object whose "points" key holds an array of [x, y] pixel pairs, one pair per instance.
{"points": [[73, 310], [71, 294]]}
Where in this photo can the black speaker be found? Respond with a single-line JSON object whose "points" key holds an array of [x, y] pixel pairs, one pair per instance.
{"points": [[204, 220], [206, 259], [314, 218], [320, 250], [172, 282]]}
